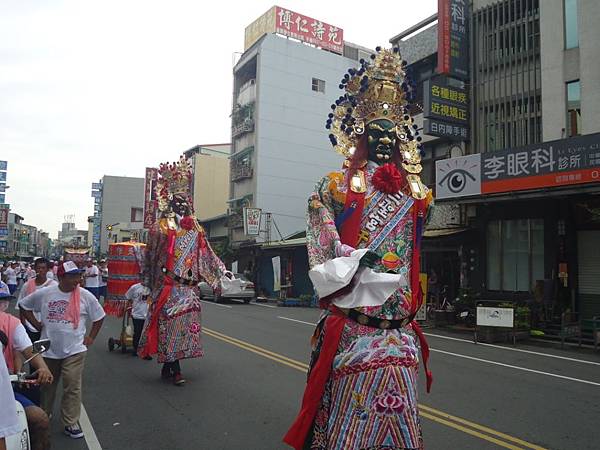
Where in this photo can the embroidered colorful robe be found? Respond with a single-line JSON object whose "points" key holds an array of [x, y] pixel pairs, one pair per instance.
{"points": [[370, 399], [179, 319]]}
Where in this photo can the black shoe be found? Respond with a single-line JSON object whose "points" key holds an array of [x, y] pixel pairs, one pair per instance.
{"points": [[147, 358], [166, 374], [134, 354]]}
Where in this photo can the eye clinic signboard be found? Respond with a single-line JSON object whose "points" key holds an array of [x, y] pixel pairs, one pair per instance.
{"points": [[557, 163]]}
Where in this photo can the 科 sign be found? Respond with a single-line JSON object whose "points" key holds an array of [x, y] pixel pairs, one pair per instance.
{"points": [[557, 163], [297, 26], [495, 317], [252, 221], [562, 162], [453, 38]]}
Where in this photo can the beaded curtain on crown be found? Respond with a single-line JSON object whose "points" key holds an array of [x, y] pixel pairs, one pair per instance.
{"points": [[175, 178], [377, 90]]}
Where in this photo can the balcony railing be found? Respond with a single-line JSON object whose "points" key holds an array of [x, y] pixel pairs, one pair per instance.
{"points": [[235, 220], [246, 126], [240, 172]]}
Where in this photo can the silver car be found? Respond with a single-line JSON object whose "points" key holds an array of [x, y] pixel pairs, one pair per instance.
{"points": [[247, 294]]}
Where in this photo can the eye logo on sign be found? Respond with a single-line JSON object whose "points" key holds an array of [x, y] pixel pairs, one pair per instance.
{"points": [[458, 177]]}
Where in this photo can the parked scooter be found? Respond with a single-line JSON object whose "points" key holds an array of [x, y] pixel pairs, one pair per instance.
{"points": [[20, 441]]}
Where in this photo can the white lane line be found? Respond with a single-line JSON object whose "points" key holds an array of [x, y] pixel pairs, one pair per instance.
{"points": [[485, 360], [216, 304], [593, 383], [520, 350], [295, 320], [264, 306], [89, 434]]}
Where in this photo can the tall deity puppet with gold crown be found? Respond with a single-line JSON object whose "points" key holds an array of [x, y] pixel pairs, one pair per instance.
{"points": [[178, 257], [364, 232]]}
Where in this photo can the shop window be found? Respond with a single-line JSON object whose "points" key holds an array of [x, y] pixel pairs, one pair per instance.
{"points": [[571, 29], [318, 85], [515, 254], [573, 108]]}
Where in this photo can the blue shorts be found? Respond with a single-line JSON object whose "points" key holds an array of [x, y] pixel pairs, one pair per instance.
{"points": [[24, 401]]}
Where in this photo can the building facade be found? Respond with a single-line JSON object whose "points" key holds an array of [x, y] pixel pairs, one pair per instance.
{"points": [[122, 209], [283, 90], [535, 145], [210, 165]]}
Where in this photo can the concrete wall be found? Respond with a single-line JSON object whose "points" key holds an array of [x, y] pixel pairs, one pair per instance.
{"points": [[589, 36], [420, 45], [292, 148], [119, 195], [211, 185], [560, 66]]}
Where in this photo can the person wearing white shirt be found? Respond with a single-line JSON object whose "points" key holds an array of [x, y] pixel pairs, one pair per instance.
{"points": [[40, 281], [92, 278], [11, 277], [65, 309], [9, 421], [103, 280], [139, 310]]}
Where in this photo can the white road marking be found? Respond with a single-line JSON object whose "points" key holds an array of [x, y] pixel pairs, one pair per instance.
{"points": [[593, 383], [295, 320], [525, 369], [88, 431], [216, 304], [520, 350], [264, 306]]}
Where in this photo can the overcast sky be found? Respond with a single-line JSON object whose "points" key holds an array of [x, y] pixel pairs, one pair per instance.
{"points": [[92, 88]]}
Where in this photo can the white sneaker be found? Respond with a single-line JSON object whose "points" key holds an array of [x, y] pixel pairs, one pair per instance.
{"points": [[74, 431]]}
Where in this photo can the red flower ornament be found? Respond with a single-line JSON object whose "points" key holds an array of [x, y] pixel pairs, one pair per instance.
{"points": [[187, 222], [388, 179]]}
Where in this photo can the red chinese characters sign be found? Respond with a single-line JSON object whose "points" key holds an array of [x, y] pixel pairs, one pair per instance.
{"points": [[453, 38], [307, 29], [150, 202]]}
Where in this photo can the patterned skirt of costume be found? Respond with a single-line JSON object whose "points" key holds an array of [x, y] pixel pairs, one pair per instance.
{"points": [[179, 326], [370, 401]]}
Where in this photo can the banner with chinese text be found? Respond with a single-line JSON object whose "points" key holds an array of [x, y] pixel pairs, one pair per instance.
{"points": [[297, 26]]}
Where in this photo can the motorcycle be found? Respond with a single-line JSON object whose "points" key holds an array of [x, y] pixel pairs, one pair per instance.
{"points": [[20, 440]]}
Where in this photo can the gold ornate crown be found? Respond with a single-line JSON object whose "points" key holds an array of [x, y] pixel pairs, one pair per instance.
{"points": [[376, 90], [173, 179]]}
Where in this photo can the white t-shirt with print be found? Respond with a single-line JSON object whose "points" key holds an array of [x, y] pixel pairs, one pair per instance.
{"points": [[65, 341], [23, 294], [92, 282], [139, 306], [11, 276]]}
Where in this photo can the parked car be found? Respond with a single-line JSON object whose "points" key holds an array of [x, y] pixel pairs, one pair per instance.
{"points": [[247, 294]]}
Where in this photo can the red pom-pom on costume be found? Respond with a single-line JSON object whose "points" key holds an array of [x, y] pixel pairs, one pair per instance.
{"points": [[187, 223], [388, 179]]}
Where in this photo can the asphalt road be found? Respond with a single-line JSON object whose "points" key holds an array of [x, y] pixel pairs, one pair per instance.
{"points": [[246, 391]]}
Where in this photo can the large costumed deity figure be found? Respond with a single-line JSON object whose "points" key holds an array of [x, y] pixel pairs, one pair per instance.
{"points": [[364, 231], [178, 257]]}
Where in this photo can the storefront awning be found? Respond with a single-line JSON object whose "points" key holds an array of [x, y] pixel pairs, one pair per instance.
{"points": [[298, 242], [443, 232]]}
